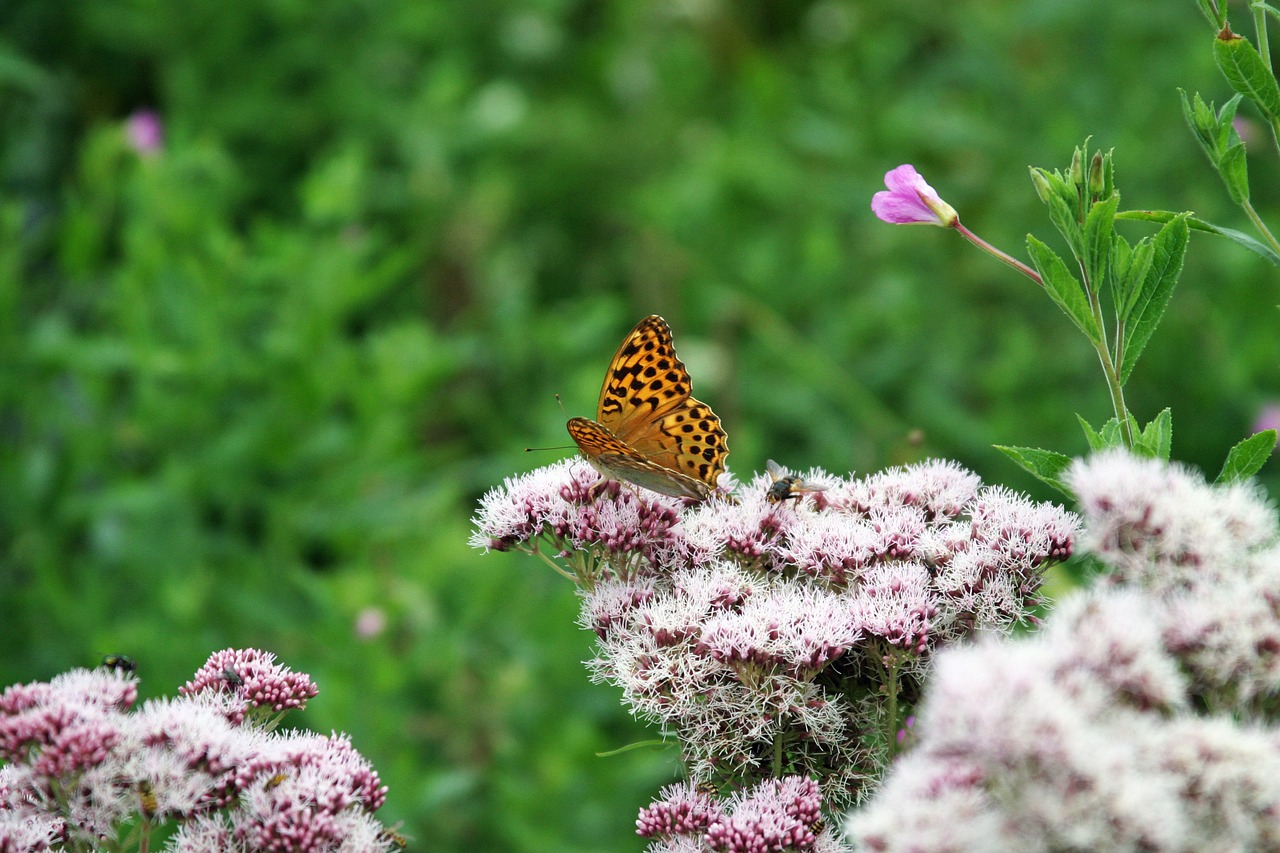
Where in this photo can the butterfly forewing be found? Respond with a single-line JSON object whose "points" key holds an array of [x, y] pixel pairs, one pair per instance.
{"points": [[617, 461], [651, 431], [645, 379]]}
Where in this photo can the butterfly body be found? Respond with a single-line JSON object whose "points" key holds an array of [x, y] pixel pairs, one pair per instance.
{"points": [[649, 430]]}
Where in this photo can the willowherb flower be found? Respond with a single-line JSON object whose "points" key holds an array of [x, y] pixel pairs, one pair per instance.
{"points": [[145, 132], [909, 200], [1118, 727], [254, 679]]}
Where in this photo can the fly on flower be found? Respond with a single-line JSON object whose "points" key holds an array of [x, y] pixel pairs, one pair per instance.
{"points": [[120, 663], [787, 486]]}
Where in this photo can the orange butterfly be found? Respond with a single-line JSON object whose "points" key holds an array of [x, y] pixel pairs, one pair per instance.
{"points": [[649, 430]]}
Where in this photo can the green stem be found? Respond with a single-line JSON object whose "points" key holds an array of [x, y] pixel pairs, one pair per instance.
{"points": [[1260, 225], [999, 255], [552, 563], [1260, 25], [1109, 367], [891, 685]]}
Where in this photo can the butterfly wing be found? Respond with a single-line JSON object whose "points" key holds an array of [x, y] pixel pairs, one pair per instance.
{"points": [[617, 461], [646, 404]]}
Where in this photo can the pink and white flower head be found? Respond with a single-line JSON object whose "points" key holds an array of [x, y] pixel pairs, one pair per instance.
{"points": [[909, 200], [255, 679], [80, 768], [776, 815], [1142, 717]]}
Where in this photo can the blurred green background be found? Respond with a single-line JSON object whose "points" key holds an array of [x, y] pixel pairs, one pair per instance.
{"points": [[254, 382]]}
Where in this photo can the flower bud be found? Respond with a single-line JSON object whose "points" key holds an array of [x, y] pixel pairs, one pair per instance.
{"points": [[1097, 179]]}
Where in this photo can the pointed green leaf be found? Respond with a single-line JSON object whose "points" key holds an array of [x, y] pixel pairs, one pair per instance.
{"points": [[1095, 439], [1111, 433], [1157, 438], [1231, 234], [1245, 70], [1045, 465], [1169, 248], [1235, 173], [1063, 217], [1199, 118], [1099, 231], [1103, 439], [1063, 288], [1213, 131], [1135, 275], [1247, 458]]}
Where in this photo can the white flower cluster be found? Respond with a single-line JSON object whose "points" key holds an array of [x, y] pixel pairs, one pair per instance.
{"points": [[783, 634], [1143, 718]]}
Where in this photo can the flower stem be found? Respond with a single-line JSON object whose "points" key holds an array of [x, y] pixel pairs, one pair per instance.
{"points": [[552, 563], [891, 687], [1109, 371], [1260, 225], [1260, 24], [1003, 257]]}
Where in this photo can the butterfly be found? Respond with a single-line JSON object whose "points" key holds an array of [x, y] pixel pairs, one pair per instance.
{"points": [[786, 486], [649, 430]]}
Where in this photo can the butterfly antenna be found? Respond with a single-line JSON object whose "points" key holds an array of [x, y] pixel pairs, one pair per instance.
{"points": [[561, 402], [561, 447]]}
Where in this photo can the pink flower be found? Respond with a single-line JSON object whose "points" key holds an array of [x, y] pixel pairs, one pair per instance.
{"points": [[909, 200], [255, 679], [370, 623], [145, 132], [1268, 417]]}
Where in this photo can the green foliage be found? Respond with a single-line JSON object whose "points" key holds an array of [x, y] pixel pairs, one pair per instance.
{"points": [[1250, 76], [255, 383], [1247, 458]]}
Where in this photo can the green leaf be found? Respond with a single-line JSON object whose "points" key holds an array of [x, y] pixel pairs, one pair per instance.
{"points": [[1063, 288], [1169, 248], [1095, 439], [1245, 70], [1200, 119], [1213, 131], [1235, 173], [1247, 458], [1129, 268], [1099, 231], [1239, 237], [1045, 465], [1104, 439], [1157, 437], [1063, 217]]}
